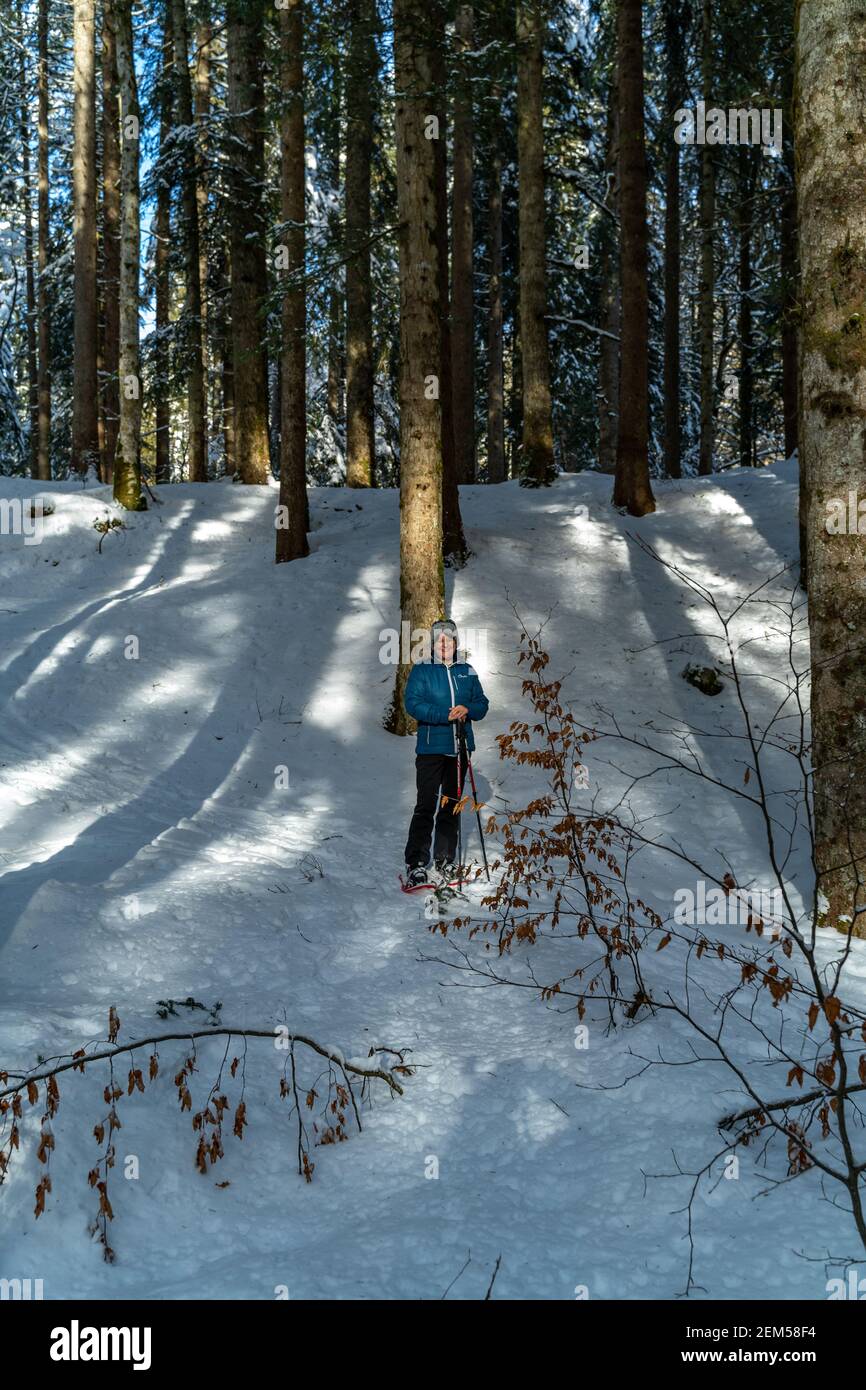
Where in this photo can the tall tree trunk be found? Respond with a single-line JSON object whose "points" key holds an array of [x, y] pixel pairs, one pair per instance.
{"points": [[85, 387], [537, 465], [453, 540], [336, 353], [707, 284], [249, 271], [292, 525], [789, 271], [747, 174], [495, 316], [162, 236], [29, 269], [675, 95], [831, 93], [632, 488], [422, 586], [610, 299], [127, 466], [192, 325], [462, 270], [43, 313], [110, 395], [360, 112], [204, 40]]}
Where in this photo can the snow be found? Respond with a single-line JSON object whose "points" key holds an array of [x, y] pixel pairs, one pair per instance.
{"points": [[147, 853]]}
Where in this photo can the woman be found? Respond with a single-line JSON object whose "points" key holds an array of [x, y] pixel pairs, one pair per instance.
{"points": [[441, 694]]}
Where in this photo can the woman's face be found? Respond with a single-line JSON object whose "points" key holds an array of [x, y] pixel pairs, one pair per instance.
{"points": [[445, 646]]}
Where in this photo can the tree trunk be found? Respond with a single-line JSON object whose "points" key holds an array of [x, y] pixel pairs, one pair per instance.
{"points": [[162, 236], [204, 39], [675, 95], [29, 272], [453, 540], [831, 92], [462, 271], [632, 488], [85, 398], [537, 466], [422, 587], [610, 300], [127, 465], [192, 325], [746, 180], [790, 348], [495, 335], [43, 313], [249, 272], [360, 111], [291, 522], [707, 284], [110, 395]]}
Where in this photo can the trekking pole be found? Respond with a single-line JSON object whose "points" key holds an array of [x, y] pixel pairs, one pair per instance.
{"points": [[461, 746], [475, 799]]}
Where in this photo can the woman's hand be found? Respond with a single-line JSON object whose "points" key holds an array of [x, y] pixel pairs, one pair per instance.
{"points": [[458, 712]]}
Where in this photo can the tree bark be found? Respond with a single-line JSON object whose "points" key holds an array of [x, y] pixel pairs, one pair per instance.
{"points": [[192, 322], [110, 395], [610, 300], [85, 399], [462, 268], [360, 113], [453, 540], [831, 153], [707, 284], [29, 260], [43, 312], [204, 39], [249, 273], [291, 540], [495, 313], [632, 488], [162, 236], [675, 96], [127, 465], [422, 586], [746, 179], [789, 271], [537, 465]]}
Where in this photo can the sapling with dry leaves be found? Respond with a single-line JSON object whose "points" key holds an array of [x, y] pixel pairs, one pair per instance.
{"points": [[758, 976], [324, 1104]]}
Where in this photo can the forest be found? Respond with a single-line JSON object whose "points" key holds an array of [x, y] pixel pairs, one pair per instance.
{"points": [[465, 395]]}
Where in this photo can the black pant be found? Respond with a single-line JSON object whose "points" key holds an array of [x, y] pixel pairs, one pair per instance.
{"points": [[433, 771]]}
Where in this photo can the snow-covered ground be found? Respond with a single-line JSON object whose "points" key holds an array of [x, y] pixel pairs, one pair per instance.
{"points": [[146, 852]]}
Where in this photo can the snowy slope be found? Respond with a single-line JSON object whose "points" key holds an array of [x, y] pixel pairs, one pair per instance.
{"points": [[145, 853]]}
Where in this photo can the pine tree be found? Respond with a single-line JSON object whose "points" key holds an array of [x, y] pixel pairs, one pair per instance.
{"points": [[127, 465], [831, 170], [632, 488], [291, 532], [85, 422], [249, 277], [422, 588], [537, 466]]}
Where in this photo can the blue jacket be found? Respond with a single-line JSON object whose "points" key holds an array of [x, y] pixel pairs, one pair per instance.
{"points": [[431, 691]]}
